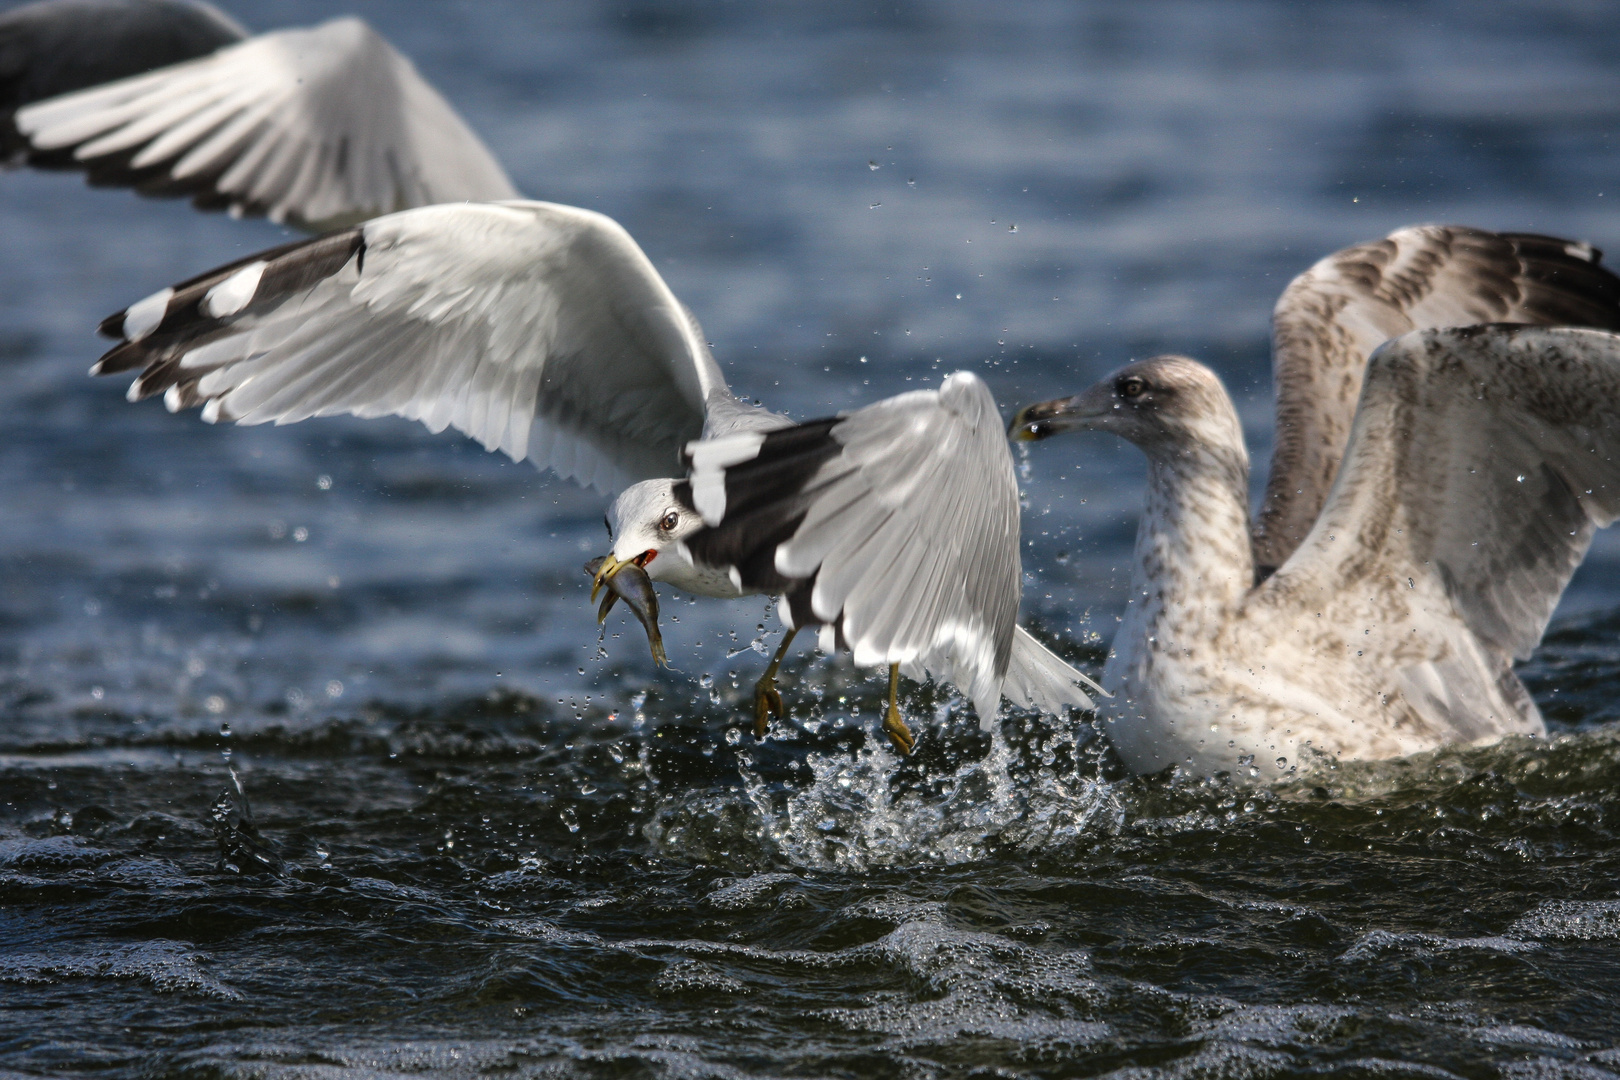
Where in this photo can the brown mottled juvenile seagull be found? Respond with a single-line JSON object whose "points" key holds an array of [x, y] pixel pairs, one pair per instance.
{"points": [[1425, 510]]}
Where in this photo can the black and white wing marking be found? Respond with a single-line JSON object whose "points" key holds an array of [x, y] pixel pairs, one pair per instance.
{"points": [[540, 330], [896, 525], [57, 46], [317, 127], [1331, 318], [1481, 462]]}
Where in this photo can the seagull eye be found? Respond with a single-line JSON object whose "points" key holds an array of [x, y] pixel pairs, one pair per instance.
{"points": [[669, 521], [1131, 387]]}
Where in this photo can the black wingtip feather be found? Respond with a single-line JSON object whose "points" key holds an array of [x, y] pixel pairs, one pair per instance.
{"points": [[124, 356], [289, 269], [112, 326]]}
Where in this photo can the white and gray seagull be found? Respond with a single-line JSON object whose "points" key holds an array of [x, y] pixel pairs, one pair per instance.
{"points": [[1446, 447], [316, 127], [544, 332]]}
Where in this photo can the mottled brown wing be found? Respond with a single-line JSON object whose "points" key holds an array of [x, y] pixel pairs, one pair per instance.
{"points": [[1481, 463], [1332, 317]]}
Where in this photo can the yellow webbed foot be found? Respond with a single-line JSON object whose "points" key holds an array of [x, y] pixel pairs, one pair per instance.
{"points": [[897, 731], [767, 703]]}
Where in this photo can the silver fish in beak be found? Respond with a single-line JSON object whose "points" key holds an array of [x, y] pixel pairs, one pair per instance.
{"points": [[628, 582]]}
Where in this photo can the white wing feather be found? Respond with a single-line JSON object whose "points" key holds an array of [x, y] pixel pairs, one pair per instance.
{"points": [[539, 330], [913, 537], [318, 127]]}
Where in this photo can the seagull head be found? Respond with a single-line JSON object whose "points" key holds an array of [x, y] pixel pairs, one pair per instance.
{"points": [[1165, 403], [647, 523]]}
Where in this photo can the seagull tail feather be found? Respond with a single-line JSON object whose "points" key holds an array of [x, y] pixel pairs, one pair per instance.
{"points": [[1038, 679]]}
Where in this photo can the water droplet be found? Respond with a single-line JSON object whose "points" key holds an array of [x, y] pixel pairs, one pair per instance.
{"points": [[215, 704], [300, 534], [324, 482], [874, 166], [334, 689]]}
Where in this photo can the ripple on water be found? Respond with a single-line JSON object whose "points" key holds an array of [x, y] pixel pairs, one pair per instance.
{"points": [[169, 967], [660, 893], [1570, 920]]}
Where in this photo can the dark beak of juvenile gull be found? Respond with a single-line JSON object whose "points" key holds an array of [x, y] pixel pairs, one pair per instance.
{"points": [[627, 581], [1082, 412]]}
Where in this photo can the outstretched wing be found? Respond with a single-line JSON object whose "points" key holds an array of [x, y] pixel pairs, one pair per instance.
{"points": [[57, 46], [1331, 318], [539, 330], [1480, 464], [318, 127], [896, 524]]}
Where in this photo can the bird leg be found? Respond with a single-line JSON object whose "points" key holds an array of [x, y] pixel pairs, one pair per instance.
{"points": [[767, 702], [893, 726]]}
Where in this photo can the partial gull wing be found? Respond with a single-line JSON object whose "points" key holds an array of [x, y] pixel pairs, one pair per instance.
{"points": [[895, 525], [317, 127], [540, 330], [1331, 318], [57, 46], [1481, 462]]}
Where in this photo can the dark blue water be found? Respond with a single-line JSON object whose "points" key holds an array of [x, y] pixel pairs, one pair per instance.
{"points": [[482, 843]]}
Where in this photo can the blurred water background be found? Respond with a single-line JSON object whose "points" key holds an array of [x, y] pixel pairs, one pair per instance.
{"points": [[502, 847]]}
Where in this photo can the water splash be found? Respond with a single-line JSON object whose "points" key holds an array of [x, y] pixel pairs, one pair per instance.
{"points": [[963, 798]]}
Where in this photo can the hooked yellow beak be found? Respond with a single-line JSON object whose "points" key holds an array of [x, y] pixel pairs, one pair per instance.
{"points": [[608, 566], [604, 572]]}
